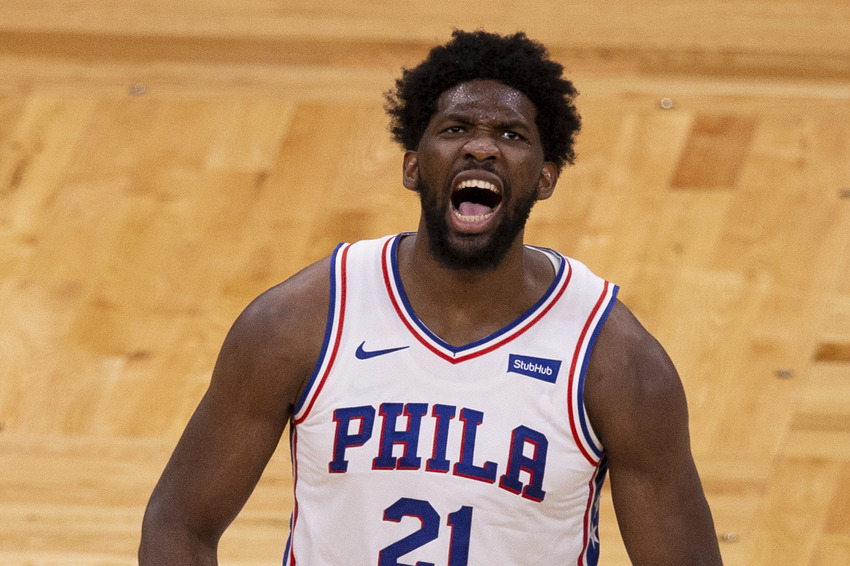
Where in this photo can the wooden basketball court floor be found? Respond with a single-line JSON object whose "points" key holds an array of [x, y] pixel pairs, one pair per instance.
{"points": [[161, 163]]}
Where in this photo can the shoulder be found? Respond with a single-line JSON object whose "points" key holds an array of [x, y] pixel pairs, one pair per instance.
{"points": [[632, 389], [275, 342], [624, 346], [290, 304]]}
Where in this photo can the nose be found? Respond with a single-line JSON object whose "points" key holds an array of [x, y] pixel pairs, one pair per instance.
{"points": [[482, 147]]}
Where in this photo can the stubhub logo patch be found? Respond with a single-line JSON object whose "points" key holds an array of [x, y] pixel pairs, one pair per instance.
{"points": [[538, 368]]}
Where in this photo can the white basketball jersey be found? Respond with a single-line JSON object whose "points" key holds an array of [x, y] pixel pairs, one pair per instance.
{"points": [[410, 451]]}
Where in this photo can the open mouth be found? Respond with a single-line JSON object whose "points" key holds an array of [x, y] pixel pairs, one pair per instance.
{"points": [[475, 199]]}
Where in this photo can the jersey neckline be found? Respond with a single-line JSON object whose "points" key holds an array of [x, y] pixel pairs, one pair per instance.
{"points": [[456, 354]]}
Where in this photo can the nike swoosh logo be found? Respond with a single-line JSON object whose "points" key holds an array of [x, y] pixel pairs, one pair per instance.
{"points": [[363, 354]]}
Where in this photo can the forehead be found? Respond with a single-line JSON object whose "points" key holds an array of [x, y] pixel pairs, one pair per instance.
{"points": [[485, 99]]}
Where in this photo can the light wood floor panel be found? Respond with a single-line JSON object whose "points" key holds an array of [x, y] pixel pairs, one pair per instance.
{"points": [[163, 163]]}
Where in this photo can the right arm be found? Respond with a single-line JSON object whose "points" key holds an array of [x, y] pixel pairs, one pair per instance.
{"points": [[262, 368]]}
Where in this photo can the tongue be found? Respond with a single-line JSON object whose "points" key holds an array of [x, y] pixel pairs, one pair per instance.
{"points": [[467, 208]]}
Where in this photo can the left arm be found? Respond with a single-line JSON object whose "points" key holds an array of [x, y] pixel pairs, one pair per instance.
{"points": [[637, 406]]}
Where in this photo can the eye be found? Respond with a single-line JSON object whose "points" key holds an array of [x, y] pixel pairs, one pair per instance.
{"points": [[455, 129], [512, 135]]}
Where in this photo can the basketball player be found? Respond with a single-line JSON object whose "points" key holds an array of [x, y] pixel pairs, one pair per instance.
{"points": [[455, 397]]}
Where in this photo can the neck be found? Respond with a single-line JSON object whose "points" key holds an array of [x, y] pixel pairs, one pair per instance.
{"points": [[462, 306]]}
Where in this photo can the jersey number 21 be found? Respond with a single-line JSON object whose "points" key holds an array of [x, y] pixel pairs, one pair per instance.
{"points": [[459, 524]]}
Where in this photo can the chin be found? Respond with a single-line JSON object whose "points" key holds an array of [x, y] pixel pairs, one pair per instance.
{"points": [[470, 252]]}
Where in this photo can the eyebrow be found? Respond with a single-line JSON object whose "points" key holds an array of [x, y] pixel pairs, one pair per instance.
{"points": [[506, 124]]}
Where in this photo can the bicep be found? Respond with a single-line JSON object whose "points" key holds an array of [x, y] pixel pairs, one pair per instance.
{"points": [[636, 401], [264, 361], [225, 446], [658, 499]]}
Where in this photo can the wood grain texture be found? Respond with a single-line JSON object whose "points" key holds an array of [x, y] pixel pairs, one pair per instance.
{"points": [[162, 163]]}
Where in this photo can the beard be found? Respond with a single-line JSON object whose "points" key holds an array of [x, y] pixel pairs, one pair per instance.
{"points": [[468, 254]]}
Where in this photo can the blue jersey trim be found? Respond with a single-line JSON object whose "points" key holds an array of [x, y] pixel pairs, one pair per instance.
{"points": [[328, 331], [288, 543], [455, 350], [585, 429], [591, 556]]}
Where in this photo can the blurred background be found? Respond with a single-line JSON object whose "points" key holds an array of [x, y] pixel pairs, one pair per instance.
{"points": [[162, 163]]}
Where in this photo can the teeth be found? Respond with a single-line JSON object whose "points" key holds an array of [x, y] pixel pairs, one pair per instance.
{"points": [[477, 183], [472, 218]]}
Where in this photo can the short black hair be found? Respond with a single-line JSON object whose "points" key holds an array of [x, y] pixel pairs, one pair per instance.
{"points": [[513, 60]]}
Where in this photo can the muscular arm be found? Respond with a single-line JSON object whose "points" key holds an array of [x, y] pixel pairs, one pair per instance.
{"points": [[637, 406], [264, 362]]}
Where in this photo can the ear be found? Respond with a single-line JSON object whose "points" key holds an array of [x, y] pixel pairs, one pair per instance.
{"points": [[548, 180], [410, 170]]}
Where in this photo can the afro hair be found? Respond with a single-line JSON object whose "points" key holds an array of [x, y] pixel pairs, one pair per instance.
{"points": [[513, 60]]}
